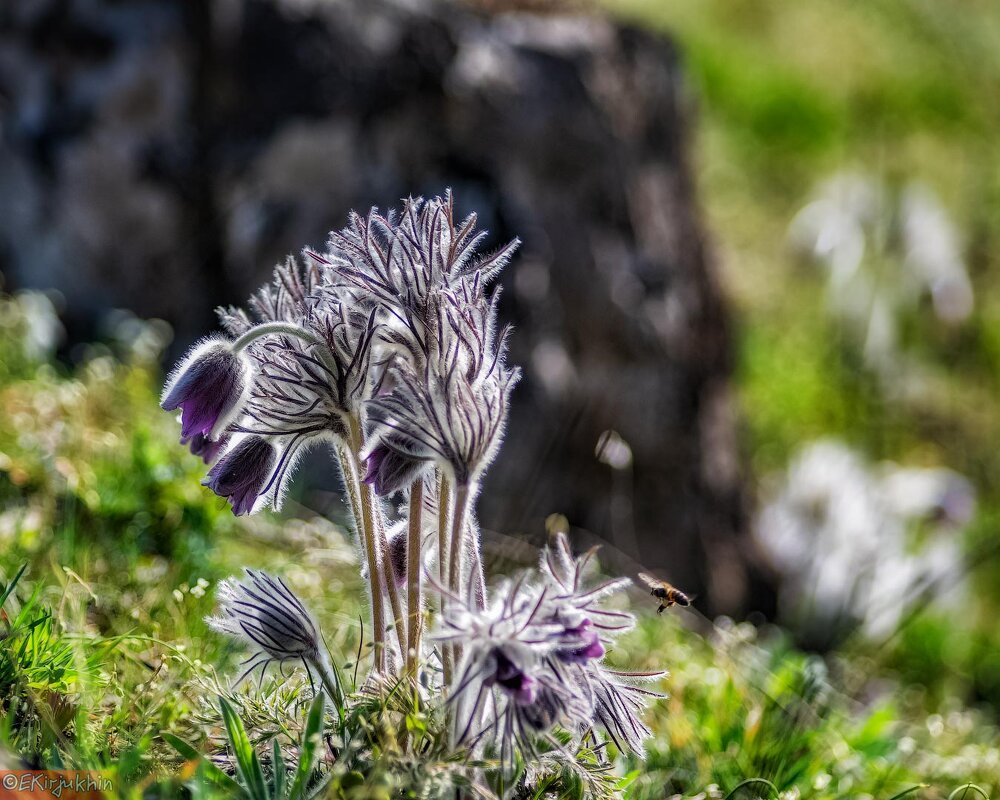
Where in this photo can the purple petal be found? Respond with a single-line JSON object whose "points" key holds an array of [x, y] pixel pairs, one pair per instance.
{"points": [[242, 473], [207, 386], [387, 471]]}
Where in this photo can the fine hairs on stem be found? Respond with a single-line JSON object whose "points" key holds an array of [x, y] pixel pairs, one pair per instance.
{"points": [[362, 524], [413, 567]]}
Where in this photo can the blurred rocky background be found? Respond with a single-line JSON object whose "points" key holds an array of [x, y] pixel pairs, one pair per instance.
{"points": [[162, 156]]}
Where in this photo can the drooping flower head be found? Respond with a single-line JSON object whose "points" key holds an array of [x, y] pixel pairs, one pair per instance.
{"points": [[306, 384], [242, 474], [208, 386]]}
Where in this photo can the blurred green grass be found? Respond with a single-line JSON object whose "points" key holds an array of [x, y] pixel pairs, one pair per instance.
{"points": [[103, 647], [787, 94]]}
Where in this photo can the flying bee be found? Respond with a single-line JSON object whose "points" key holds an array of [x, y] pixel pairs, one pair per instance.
{"points": [[667, 594]]}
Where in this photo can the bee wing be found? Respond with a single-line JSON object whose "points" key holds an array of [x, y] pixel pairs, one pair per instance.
{"points": [[650, 581]]}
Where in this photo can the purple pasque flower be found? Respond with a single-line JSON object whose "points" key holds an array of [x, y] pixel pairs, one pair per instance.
{"points": [[502, 649], [208, 386], [242, 474], [309, 380], [452, 408], [262, 611], [400, 260], [208, 449], [388, 471]]}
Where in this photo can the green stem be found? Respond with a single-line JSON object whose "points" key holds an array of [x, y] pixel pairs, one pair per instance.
{"points": [[413, 594], [363, 524]]}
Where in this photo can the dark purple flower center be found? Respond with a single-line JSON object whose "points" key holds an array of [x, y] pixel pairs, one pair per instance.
{"points": [[512, 679], [583, 644]]}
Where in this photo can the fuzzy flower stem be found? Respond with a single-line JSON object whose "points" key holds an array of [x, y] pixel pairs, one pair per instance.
{"points": [[330, 682], [369, 501], [287, 329], [371, 514], [276, 328], [444, 499], [368, 541], [462, 494], [413, 594]]}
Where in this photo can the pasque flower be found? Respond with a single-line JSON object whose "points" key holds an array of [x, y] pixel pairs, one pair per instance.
{"points": [[400, 261], [264, 613], [387, 348], [208, 386], [242, 473]]}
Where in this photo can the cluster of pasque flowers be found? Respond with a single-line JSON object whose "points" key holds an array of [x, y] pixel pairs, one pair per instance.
{"points": [[386, 348]]}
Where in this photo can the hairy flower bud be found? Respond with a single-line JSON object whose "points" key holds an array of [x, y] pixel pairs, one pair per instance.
{"points": [[241, 475], [208, 386], [263, 612], [397, 553]]}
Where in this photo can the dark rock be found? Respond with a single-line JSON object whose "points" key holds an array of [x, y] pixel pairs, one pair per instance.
{"points": [[164, 155]]}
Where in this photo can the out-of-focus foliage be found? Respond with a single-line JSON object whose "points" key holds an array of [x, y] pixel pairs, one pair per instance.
{"points": [[106, 663], [900, 94]]}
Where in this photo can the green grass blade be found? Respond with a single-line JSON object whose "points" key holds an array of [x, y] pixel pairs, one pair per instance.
{"points": [[964, 789], [911, 790], [278, 766], [750, 781], [212, 772], [311, 737], [246, 758], [9, 588]]}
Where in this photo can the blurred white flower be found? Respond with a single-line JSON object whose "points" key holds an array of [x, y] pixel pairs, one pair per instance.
{"points": [[859, 546], [883, 251]]}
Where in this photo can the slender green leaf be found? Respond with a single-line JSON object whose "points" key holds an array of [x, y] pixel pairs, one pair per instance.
{"points": [[307, 751], [247, 762], [9, 588], [212, 772], [278, 766]]}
